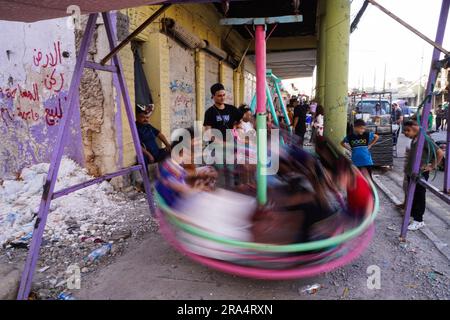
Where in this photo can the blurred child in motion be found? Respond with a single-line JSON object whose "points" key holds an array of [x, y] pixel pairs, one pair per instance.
{"points": [[191, 191], [178, 176]]}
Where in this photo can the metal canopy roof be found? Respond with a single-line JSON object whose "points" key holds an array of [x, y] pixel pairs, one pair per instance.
{"points": [[291, 64], [296, 62], [35, 10], [276, 8]]}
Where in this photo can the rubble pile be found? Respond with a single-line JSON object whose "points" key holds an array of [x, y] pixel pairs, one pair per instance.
{"points": [[81, 229]]}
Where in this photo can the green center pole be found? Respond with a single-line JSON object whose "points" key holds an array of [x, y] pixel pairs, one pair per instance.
{"points": [[261, 178]]}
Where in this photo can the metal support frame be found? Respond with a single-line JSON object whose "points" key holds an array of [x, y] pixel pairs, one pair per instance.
{"points": [[435, 44], [270, 96], [426, 111], [261, 21], [262, 90], [133, 35], [447, 150], [72, 103]]}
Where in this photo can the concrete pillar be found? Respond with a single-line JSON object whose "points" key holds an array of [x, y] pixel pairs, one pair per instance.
{"points": [[337, 38], [221, 72], [321, 56], [200, 83], [242, 84], [237, 87], [156, 68]]}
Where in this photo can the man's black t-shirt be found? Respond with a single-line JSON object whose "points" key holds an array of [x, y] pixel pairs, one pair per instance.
{"points": [[300, 113], [222, 119]]}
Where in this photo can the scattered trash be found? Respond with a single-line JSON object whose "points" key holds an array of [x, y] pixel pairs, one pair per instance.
{"points": [[345, 293], [393, 228], [412, 286], [439, 273], [100, 252], [19, 245], [312, 289], [44, 269], [11, 218], [91, 239], [65, 296], [116, 236], [27, 237], [33, 296], [61, 283], [432, 276]]}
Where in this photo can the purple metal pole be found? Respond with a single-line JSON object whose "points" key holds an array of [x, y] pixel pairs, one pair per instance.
{"points": [[447, 151], [426, 111], [129, 110], [33, 253]]}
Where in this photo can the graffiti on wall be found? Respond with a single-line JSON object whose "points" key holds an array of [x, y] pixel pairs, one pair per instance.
{"points": [[183, 104], [32, 103], [182, 87]]}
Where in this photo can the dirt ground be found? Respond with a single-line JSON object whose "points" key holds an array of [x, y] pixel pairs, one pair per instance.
{"points": [[151, 269]]}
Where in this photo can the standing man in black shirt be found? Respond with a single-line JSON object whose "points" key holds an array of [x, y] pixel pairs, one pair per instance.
{"points": [[300, 112], [221, 116]]}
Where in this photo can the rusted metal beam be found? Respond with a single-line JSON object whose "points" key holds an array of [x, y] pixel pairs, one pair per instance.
{"points": [[409, 27], [138, 30]]}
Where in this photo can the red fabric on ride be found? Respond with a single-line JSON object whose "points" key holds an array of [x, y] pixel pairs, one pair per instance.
{"points": [[359, 197]]}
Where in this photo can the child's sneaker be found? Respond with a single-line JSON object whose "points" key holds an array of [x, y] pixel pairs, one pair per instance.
{"points": [[415, 225]]}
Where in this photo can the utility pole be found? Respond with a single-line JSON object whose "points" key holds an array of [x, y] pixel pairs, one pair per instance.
{"points": [[419, 93], [384, 79], [375, 80]]}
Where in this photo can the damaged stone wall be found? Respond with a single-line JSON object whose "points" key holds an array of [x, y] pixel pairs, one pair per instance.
{"points": [[98, 109], [37, 62]]}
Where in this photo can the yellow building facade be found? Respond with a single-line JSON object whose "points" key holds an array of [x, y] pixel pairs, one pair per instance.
{"points": [[180, 77]]}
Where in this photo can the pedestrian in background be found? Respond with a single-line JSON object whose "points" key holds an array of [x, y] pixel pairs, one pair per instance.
{"points": [[359, 143], [412, 131]]}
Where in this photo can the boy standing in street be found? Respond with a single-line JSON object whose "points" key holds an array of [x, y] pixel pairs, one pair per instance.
{"points": [[359, 143], [412, 131]]}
